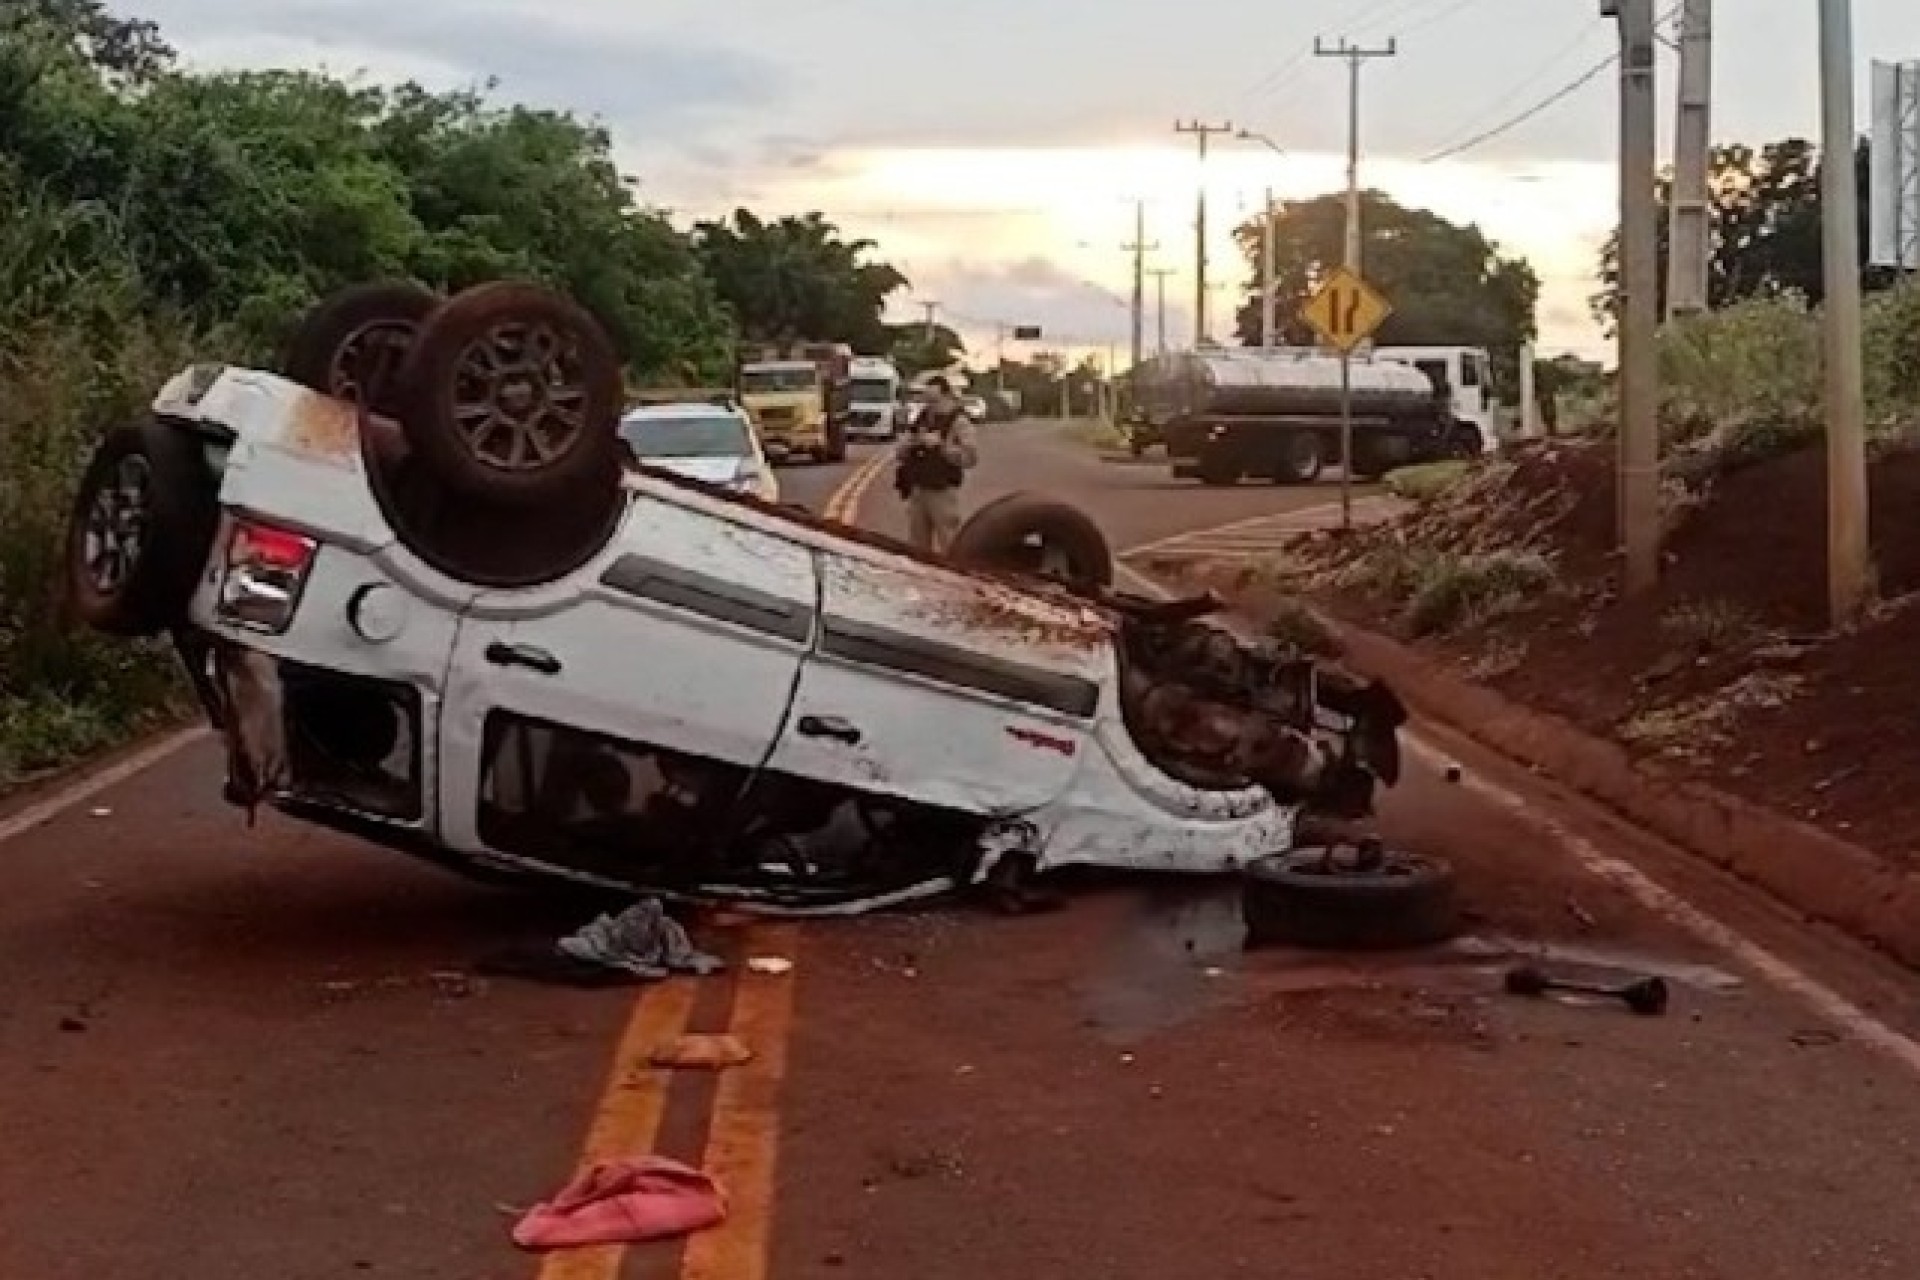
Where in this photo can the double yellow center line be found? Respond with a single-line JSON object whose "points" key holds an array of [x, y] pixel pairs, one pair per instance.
{"points": [[743, 1132]]}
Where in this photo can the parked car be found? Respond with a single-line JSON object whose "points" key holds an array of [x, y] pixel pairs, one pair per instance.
{"points": [[424, 603], [714, 443]]}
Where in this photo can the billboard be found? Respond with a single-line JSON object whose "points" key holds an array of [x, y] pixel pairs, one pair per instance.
{"points": [[1893, 186]]}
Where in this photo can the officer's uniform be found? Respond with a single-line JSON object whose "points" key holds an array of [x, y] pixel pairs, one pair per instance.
{"points": [[929, 479]]}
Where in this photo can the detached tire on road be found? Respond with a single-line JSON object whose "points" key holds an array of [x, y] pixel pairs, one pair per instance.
{"points": [[511, 396], [1293, 899], [353, 344], [1031, 534], [142, 525]]}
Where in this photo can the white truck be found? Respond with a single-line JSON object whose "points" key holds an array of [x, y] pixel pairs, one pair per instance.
{"points": [[1228, 413], [425, 603], [874, 391], [1463, 375]]}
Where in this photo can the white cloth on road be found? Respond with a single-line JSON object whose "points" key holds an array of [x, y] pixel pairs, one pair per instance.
{"points": [[642, 940]]}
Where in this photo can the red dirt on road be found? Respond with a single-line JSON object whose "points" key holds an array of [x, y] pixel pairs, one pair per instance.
{"points": [[1743, 571]]}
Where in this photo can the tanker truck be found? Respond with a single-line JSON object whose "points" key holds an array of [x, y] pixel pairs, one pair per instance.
{"points": [[1227, 413]]}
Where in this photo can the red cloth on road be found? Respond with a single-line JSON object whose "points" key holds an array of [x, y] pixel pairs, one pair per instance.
{"points": [[624, 1202]]}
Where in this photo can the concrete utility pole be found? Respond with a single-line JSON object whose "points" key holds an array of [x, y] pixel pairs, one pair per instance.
{"points": [[1160, 275], [1202, 132], [1688, 239], [927, 333], [1267, 300], [1355, 55], [1140, 249], [1848, 570], [1638, 474]]}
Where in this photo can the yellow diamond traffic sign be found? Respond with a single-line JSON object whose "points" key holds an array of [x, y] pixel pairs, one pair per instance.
{"points": [[1345, 310]]}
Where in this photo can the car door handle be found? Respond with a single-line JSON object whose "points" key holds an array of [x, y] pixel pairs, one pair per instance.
{"points": [[501, 654], [829, 727]]}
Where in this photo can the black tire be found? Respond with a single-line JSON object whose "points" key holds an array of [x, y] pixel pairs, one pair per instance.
{"points": [[1302, 458], [474, 355], [353, 344], [1290, 900], [1463, 441], [142, 525], [1024, 532]]}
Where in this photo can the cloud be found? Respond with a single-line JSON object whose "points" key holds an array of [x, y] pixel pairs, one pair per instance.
{"points": [[652, 87]]}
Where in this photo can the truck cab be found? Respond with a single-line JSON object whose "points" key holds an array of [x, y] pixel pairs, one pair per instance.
{"points": [[799, 401], [1463, 375], [874, 399]]}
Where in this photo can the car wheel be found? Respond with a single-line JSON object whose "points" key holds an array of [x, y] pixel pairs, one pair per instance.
{"points": [[511, 395], [1025, 532], [353, 343], [1382, 900], [142, 524], [1301, 458]]}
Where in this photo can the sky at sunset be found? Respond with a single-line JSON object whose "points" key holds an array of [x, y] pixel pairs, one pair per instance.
{"points": [[995, 149]]}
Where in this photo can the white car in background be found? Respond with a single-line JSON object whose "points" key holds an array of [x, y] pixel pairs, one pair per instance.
{"points": [[713, 443]]}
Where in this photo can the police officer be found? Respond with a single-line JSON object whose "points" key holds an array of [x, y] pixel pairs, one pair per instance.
{"points": [[932, 459]]}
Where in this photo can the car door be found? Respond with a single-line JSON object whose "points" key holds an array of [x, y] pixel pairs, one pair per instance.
{"points": [[674, 654], [943, 687]]}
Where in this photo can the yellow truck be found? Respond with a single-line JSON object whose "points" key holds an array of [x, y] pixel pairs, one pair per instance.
{"points": [[799, 399]]}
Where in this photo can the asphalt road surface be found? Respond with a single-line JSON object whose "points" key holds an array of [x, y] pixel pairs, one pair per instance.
{"points": [[228, 1054]]}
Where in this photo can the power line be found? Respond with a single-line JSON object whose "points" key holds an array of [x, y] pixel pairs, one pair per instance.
{"points": [[1514, 122], [1438, 16], [1543, 70], [1551, 100]]}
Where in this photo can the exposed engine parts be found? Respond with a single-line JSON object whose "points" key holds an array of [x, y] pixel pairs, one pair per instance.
{"points": [[1222, 712]]}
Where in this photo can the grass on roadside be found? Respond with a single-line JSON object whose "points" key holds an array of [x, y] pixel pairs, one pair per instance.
{"points": [[1426, 481]]}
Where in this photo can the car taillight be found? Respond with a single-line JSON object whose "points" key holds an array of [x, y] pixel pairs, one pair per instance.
{"points": [[266, 569]]}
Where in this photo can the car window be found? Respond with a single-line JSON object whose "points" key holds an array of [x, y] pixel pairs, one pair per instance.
{"points": [[690, 437], [1470, 371], [871, 391]]}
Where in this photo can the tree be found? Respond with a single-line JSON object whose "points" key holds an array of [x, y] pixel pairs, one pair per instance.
{"points": [[1763, 227], [795, 279], [1449, 285], [914, 351]]}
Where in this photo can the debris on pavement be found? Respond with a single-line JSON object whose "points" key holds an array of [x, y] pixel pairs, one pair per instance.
{"points": [[701, 1052], [641, 944], [624, 1202], [772, 966], [642, 940], [1645, 996]]}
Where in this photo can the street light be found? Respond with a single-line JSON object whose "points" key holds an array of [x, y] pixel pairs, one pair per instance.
{"points": [[1267, 301]]}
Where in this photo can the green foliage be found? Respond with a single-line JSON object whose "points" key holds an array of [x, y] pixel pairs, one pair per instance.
{"points": [[1763, 226], [149, 216], [1743, 384], [1424, 482], [1452, 591], [794, 279], [1449, 284]]}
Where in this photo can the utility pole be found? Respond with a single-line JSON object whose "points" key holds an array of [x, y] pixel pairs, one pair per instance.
{"points": [[1203, 132], [929, 308], [1267, 300], [1355, 56], [1687, 237], [1848, 571], [1140, 248], [1638, 476], [1160, 275]]}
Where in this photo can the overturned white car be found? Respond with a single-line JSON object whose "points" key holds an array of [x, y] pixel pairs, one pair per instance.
{"points": [[427, 604]]}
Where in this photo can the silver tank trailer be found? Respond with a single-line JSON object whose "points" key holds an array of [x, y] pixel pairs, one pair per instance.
{"points": [[1228, 413]]}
